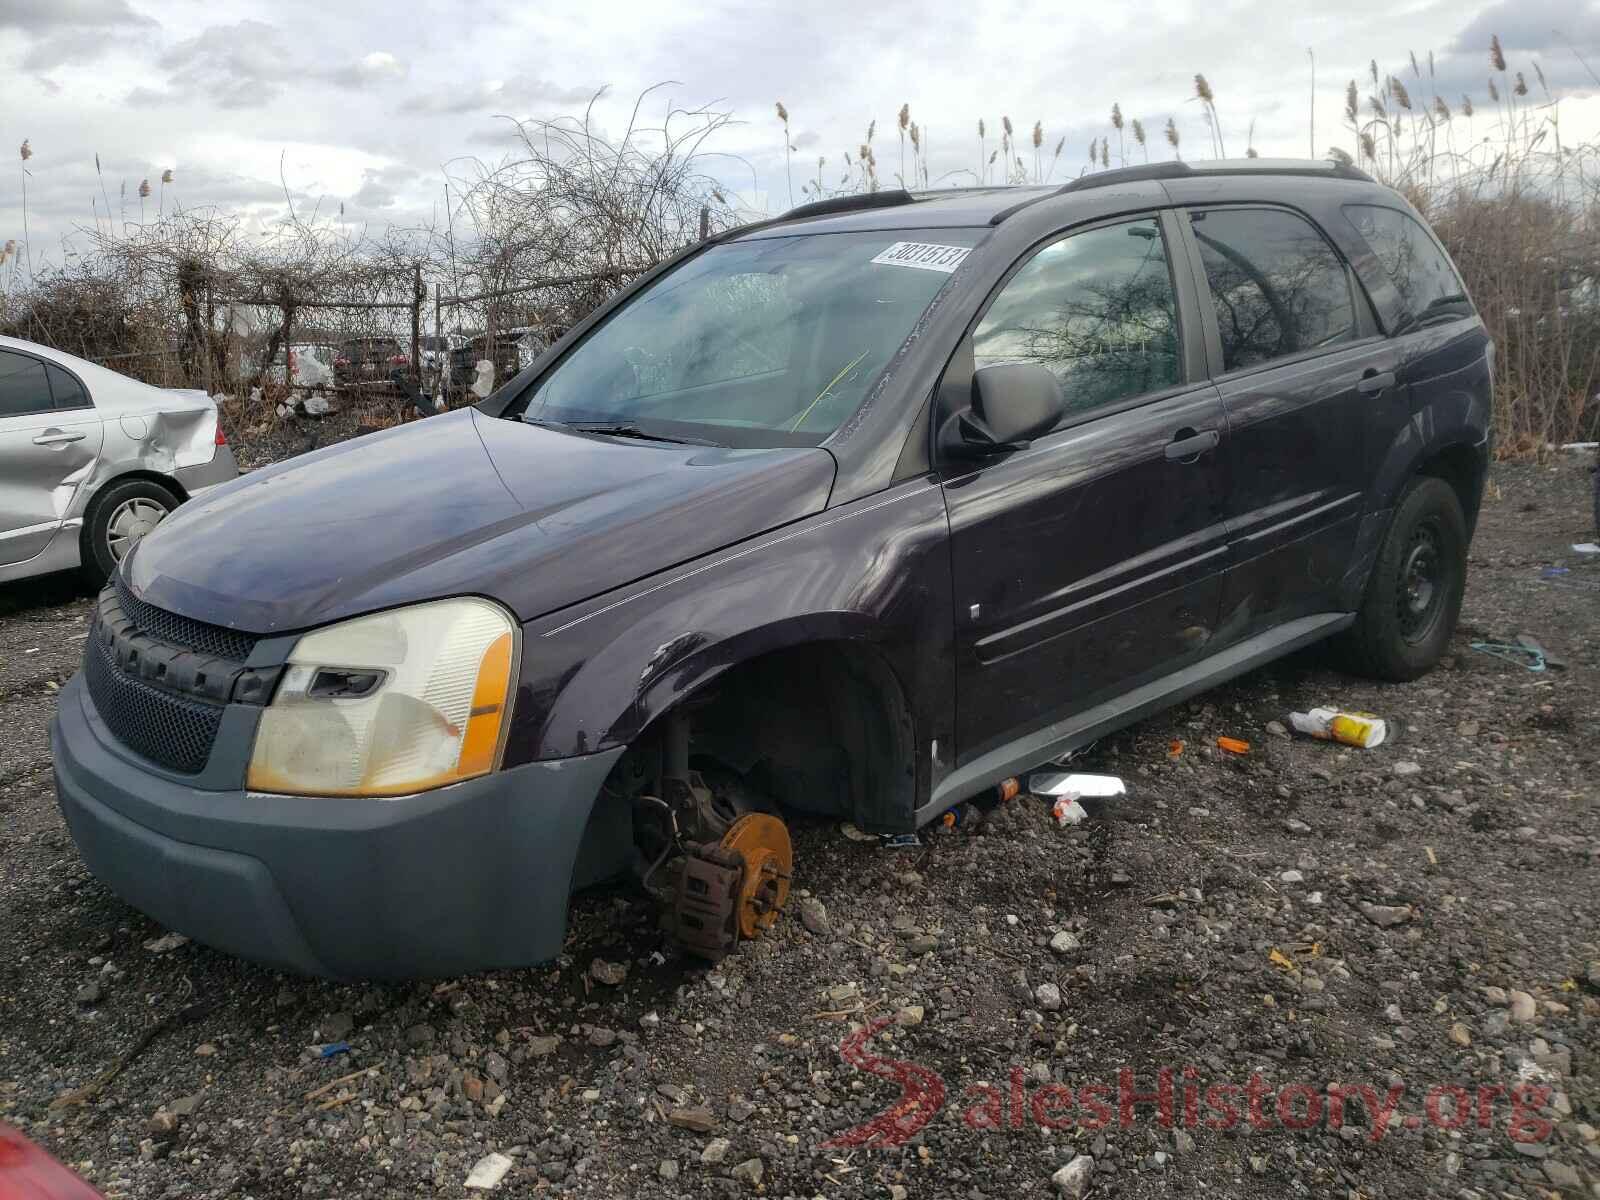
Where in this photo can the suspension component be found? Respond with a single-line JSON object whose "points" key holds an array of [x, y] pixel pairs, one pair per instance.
{"points": [[732, 889]]}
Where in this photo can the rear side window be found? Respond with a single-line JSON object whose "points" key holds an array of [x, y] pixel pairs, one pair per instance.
{"points": [[1097, 309], [66, 390], [1277, 286], [23, 386], [1430, 289]]}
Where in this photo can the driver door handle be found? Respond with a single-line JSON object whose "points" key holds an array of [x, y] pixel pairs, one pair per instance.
{"points": [[1189, 445], [56, 437]]}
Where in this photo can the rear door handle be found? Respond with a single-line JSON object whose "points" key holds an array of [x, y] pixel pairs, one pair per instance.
{"points": [[1375, 383], [1189, 445], [56, 437]]}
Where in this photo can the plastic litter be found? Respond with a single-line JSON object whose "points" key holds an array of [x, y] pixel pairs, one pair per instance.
{"points": [[1586, 547], [1362, 730], [1533, 643], [1523, 656], [899, 841], [333, 1049], [1067, 811], [1057, 783], [1175, 749], [1233, 745]]}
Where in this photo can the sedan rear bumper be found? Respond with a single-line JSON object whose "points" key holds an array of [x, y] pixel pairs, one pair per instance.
{"points": [[460, 879]]}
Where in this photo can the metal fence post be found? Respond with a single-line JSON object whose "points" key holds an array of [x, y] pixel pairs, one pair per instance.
{"points": [[418, 295]]}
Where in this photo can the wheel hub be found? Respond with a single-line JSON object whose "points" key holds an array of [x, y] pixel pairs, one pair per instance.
{"points": [[1420, 585]]}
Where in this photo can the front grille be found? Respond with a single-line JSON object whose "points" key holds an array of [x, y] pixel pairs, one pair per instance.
{"points": [[171, 730], [181, 631]]}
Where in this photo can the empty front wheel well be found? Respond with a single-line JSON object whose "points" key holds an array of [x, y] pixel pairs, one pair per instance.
{"points": [[822, 727]]}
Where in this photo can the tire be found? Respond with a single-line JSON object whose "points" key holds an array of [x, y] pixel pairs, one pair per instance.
{"points": [[1414, 594], [117, 518]]}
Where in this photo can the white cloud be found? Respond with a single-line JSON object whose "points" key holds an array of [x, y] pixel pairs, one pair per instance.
{"points": [[364, 108]]}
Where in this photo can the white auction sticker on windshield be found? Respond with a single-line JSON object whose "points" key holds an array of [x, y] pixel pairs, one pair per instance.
{"points": [[924, 256]]}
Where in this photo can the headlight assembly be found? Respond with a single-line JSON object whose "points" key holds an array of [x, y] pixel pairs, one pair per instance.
{"points": [[390, 704]]}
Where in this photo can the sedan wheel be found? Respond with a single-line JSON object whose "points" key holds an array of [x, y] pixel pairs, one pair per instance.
{"points": [[129, 522]]}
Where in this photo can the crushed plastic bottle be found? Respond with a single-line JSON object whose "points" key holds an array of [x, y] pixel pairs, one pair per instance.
{"points": [[1362, 730], [1067, 811]]}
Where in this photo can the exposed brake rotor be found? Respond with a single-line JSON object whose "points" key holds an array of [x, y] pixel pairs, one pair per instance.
{"points": [[734, 888], [762, 842]]}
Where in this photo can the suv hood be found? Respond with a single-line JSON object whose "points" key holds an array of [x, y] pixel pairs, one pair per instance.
{"points": [[462, 504]]}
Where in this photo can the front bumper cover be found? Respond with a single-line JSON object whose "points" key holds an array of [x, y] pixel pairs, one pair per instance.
{"points": [[465, 878]]}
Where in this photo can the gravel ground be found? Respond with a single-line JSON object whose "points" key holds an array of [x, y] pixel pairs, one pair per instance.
{"points": [[1419, 916]]}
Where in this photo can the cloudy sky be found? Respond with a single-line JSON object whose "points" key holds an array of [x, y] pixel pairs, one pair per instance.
{"points": [[371, 106]]}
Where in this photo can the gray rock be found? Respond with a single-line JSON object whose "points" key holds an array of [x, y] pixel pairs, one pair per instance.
{"points": [[541, 1046], [740, 1111], [1296, 826], [1405, 768], [600, 1037], [1560, 1175], [1073, 1179], [163, 1124], [609, 973], [1523, 1008], [1291, 876], [1049, 997], [922, 944], [751, 1171], [697, 1120], [715, 1152], [814, 916], [1064, 942], [420, 1036], [1183, 1142], [1386, 915], [90, 993], [337, 1026], [668, 1169]]}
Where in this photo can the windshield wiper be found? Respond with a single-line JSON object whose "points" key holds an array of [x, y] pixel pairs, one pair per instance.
{"points": [[546, 422], [633, 431]]}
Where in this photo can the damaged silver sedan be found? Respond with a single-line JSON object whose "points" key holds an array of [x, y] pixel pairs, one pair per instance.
{"points": [[91, 461]]}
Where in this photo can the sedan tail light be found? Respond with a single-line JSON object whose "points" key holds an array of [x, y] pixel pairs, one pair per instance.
{"points": [[222, 438], [398, 360]]}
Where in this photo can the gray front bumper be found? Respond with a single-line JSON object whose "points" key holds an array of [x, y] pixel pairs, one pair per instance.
{"points": [[465, 878]]}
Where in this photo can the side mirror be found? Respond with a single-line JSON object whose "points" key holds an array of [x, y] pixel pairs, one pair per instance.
{"points": [[1012, 403]]}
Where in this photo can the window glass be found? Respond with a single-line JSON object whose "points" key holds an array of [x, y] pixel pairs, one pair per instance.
{"points": [[1428, 284], [1097, 308], [68, 392], [766, 342], [1277, 286], [23, 388]]}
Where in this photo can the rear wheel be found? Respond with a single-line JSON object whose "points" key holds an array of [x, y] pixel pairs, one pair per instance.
{"points": [[116, 520], [1414, 594]]}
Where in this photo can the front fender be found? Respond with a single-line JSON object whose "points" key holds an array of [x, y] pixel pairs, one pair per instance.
{"points": [[875, 571]]}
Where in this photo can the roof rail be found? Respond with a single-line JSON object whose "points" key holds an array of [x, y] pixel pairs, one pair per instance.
{"points": [[890, 198], [1222, 166]]}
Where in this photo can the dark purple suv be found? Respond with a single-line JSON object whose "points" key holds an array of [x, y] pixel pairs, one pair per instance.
{"points": [[854, 513]]}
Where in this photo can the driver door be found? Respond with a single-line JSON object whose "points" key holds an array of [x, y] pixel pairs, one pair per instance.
{"points": [[1088, 562]]}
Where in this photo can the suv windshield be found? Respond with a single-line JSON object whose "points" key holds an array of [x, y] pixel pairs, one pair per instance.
{"points": [[772, 342]]}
